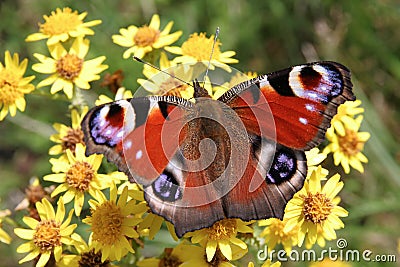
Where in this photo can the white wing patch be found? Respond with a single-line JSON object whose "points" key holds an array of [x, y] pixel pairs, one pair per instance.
{"points": [[264, 82], [310, 107], [130, 116], [294, 81], [303, 120], [139, 154]]}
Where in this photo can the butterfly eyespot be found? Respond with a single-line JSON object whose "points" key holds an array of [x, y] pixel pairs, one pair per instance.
{"points": [[309, 77], [283, 166], [103, 132], [114, 111], [166, 187]]}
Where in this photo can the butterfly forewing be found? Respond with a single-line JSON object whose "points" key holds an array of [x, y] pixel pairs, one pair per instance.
{"points": [[303, 99]]}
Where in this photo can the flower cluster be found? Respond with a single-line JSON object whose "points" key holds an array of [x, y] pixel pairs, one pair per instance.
{"points": [[109, 221], [346, 141]]}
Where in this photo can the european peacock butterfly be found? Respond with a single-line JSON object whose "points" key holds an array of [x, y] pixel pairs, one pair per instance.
{"points": [[240, 156]]}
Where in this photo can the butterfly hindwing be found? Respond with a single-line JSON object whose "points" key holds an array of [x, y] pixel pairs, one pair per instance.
{"points": [[267, 185]]}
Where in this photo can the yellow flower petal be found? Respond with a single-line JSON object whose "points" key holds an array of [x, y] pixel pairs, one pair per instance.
{"points": [[26, 247], [30, 256], [31, 222], [43, 259], [155, 22], [225, 249], [57, 253], [211, 248], [26, 234]]}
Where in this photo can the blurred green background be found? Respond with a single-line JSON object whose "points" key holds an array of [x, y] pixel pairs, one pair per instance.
{"points": [[267, 35]]}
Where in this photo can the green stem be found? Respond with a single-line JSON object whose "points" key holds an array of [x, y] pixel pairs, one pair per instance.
{"points": [[32, 125], [78, 101]]}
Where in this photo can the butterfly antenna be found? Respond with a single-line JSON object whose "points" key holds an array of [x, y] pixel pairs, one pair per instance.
{"points": [[211, 54], [163, 71]]}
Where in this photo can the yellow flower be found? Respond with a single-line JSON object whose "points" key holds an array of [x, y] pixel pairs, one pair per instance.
{"points": [[151, 225], [274, 234], [13, 85], [314, 207], [267, 263], [4, 237], [314, 158], [189, 255], [112, 224], [69, 68], [47, 235], [320, 239], [159, 83], [61, 25], [142, 40], [347, 149], [345, 115], [221, 235], [86, 255], [135, 190], [198, 49], [78, 175], [239, 77], [330, 263], [68, 137], [122, 93]]}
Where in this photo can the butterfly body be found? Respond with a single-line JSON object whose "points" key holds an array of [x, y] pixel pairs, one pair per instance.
{"points": [[241, 156]]}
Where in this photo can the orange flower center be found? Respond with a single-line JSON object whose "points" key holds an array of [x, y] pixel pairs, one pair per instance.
{"points": [[199, 47], [80, 175], [146, 36], [349, 143], [223, 229], [47, 235], [317, 207], [73, 137], [9, 90], [60, 22], [92, 259], [69, 66], [107, 222]]}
